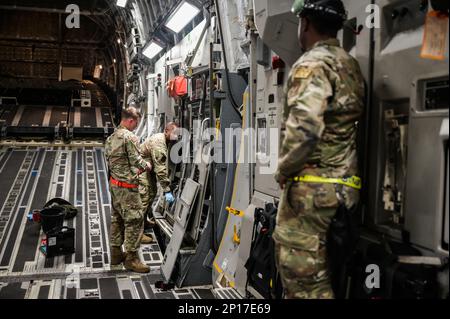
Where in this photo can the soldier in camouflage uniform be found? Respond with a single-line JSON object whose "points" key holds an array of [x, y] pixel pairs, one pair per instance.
{"points": [[155, 151], [125, 164], [324, 102]]}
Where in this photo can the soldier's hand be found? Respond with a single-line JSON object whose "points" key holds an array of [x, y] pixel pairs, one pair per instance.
{"points": [[282, 180], [169, 197], [148, 168]]}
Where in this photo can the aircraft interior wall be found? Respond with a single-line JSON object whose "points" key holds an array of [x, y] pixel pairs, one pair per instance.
{"points": [[62, 92]]}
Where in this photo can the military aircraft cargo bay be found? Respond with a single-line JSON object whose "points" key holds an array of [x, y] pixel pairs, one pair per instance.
{"points": [[229, 150]]}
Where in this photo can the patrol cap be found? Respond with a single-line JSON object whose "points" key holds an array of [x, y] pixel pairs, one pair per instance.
{"points": [[333, 8]]}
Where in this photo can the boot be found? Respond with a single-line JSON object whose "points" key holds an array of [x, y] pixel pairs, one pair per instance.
{"points": [[117, 256], [146, 240], [132, 263]]}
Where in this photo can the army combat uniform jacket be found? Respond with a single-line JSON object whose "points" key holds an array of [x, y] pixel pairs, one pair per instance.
{"points": [[124, 159], [155, 151], [124, 164], [324, 102]]}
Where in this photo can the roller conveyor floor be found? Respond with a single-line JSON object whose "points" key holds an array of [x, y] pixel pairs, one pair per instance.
{"points": [[31, 175]]}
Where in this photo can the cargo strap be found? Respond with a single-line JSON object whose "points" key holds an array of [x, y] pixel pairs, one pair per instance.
{"points": [[122, 184], [353, 182]]}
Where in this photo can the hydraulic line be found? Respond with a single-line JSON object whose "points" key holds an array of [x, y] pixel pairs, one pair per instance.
{"points": [[229, 93]]}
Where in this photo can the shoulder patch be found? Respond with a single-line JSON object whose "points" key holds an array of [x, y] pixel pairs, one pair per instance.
{"points": [[303, 73]]}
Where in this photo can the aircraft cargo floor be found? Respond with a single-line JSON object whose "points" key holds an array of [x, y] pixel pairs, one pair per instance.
{"points": [[31, 175]]}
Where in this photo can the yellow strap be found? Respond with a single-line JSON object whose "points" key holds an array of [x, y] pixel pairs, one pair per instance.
{"points": [[236, 212], [236, 238], [217, 128], [353, 182]]}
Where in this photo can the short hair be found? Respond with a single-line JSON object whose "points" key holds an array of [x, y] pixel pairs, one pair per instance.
{"points": [[171, 126], [325, 25], [131, 113], [325, 22]]}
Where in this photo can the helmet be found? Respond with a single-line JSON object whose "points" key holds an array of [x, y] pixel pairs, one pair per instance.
{"points": [[334, 8]]}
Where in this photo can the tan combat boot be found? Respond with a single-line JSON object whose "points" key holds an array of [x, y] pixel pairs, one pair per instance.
{"points": [[146, 240], [132, 263], [117, 256]]}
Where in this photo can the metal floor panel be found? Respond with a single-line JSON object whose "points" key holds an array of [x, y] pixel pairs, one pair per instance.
{"points": [[101, 287], [8, 113], [88, 117], [33, 175], [58, 115], [32, 116]]}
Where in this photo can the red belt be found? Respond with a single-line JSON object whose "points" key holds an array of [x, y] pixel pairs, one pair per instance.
{"points": [[122, 184]]}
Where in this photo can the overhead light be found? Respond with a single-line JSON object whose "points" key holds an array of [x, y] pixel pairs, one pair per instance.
{"points": [[119, 41], [122, 3], [100, 66], [114, 60], [152, 50], [182, 16]]}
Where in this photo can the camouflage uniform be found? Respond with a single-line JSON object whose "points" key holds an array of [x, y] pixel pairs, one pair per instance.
{"points": [[155, 151], [324, 102], [125, 163]]}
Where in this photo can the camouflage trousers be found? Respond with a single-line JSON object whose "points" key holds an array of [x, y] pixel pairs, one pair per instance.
{"points": [[304, 215], [127, 218], [148, 189]]}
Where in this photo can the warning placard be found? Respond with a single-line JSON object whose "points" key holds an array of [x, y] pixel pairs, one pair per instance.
{"points": [[435, 36], [52, 241]]}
